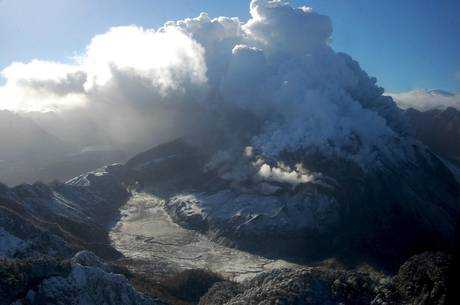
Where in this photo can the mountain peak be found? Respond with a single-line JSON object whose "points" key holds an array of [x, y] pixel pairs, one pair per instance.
{"points": [[440, 92]]}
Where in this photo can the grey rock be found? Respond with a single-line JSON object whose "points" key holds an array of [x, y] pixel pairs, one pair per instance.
{"points": [[423, 279], [301, 287], [82, 282]]}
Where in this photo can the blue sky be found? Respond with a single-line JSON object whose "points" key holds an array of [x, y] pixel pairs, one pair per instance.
{"points": [[406, 44]]}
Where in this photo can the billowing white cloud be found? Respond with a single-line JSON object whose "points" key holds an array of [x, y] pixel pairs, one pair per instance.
{"points": [[42, 86], [163, 63], [426, 99], [168, 59], [285, 174], [121, 85], [279, 27], [278, 68]]}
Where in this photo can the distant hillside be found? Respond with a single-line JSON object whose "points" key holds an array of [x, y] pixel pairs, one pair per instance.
{"points": [[21, 138], [439, 129], [29, 153]]}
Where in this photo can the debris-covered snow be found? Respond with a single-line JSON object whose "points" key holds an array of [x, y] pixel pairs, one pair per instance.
{"points": [[145, 233]]}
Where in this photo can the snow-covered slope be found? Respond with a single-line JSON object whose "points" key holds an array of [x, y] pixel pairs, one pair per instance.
{"points": [[57, 219], [153, 244], [339, 210]]}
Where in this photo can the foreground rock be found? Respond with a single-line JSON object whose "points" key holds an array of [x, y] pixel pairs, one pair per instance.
{"points": [[83, 280], [422, 280], [425, 279], [304, 286]]}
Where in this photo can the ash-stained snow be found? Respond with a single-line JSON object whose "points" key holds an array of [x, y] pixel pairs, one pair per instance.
{"points": [[257, 212], [145, 233]]}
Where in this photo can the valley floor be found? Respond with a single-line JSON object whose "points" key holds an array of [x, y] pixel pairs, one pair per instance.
{"points": [[152, 243]]}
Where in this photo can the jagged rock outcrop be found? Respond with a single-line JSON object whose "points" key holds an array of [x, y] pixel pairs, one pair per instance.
{"points": [[422, 280], [20, 276], [85, 279], [303, 286]]}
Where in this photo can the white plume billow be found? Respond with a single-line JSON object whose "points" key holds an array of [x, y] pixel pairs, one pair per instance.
{"points": [[145, 85]]}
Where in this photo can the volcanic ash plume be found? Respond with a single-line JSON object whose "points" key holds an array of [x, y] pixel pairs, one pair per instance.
{"points": [[144, 85]]}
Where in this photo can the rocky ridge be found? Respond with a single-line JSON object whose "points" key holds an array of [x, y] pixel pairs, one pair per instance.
{"points": [[84, 279], [58, 219], [422, 280]]}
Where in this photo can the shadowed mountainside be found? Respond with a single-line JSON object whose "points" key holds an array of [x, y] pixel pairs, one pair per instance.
{"points": [[439, 129]]}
